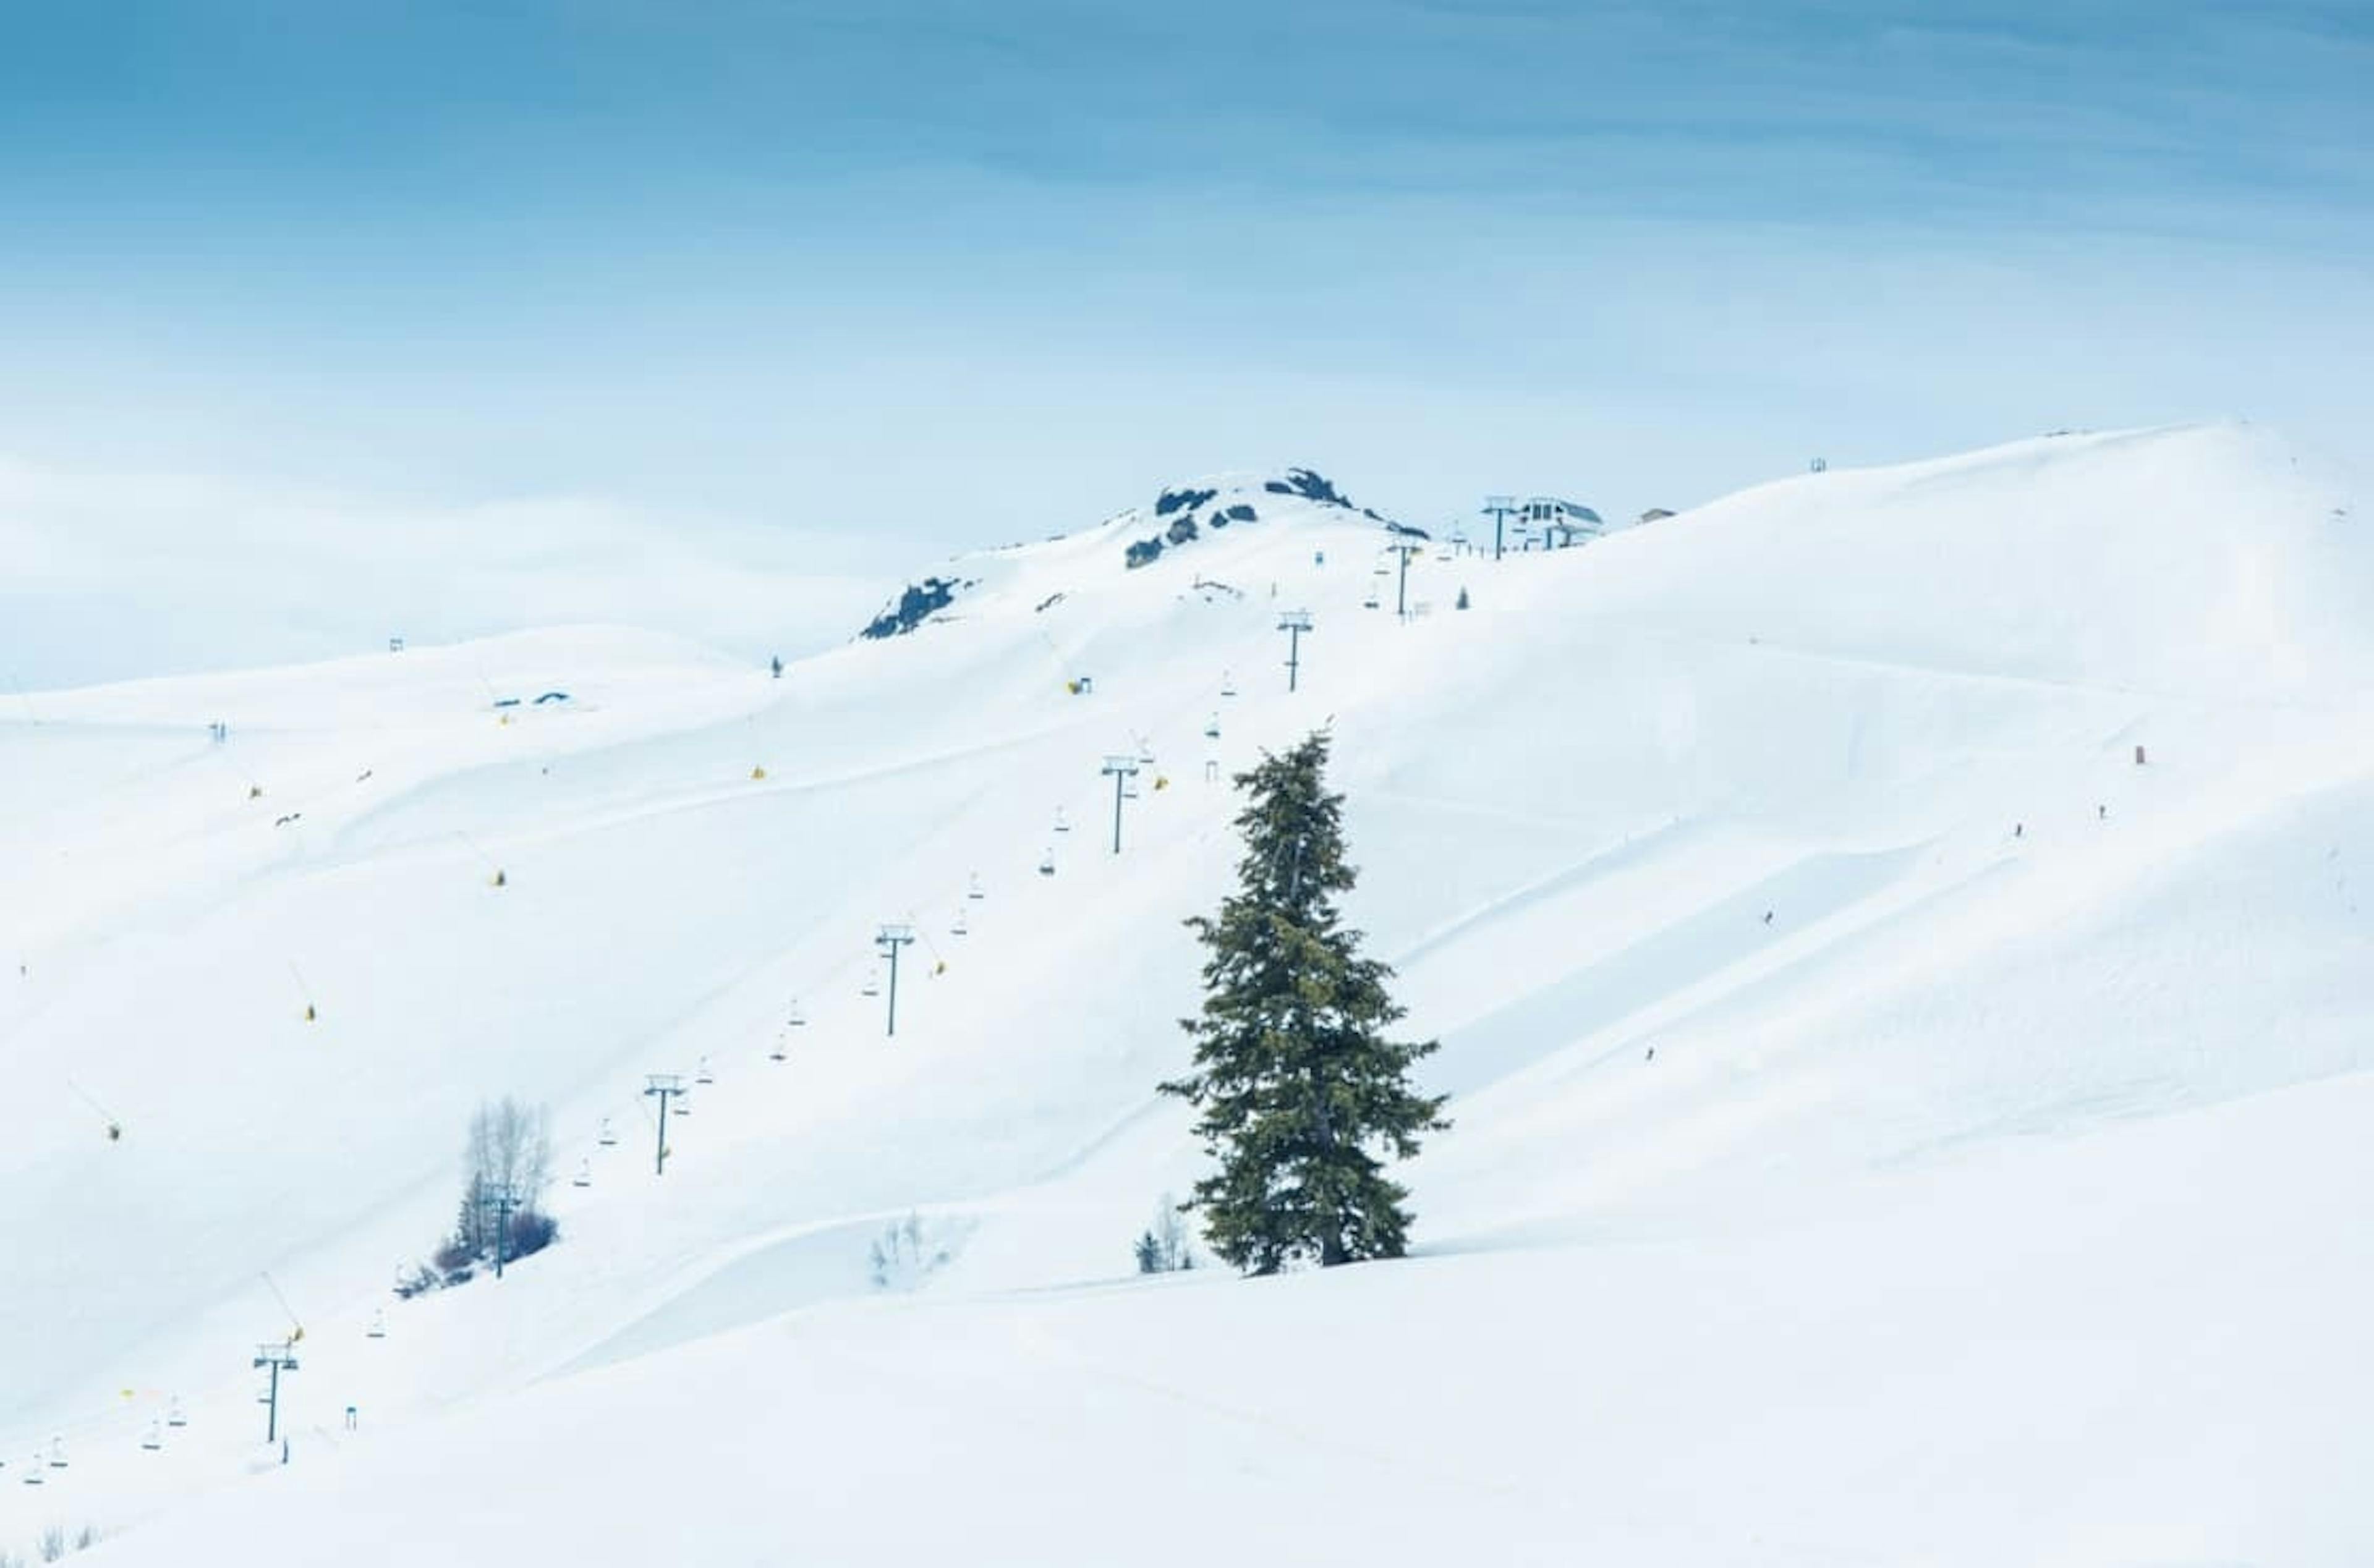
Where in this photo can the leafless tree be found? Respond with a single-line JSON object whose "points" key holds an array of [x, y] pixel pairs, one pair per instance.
{"points": [[510, 1148]]}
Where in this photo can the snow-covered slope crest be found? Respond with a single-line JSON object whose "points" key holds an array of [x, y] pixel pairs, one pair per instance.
{"points": [[1182, 519], [2210, 558]]}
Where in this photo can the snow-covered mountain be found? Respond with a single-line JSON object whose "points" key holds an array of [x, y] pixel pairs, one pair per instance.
{"points": [[104, 577], [1900, 941]]}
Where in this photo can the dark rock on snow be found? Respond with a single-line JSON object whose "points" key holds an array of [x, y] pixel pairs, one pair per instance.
{"points": [[917, 604], [1181, 500], [1309, 486]]}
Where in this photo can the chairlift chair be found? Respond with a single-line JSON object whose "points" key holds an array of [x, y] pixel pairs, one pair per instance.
{"points": [[57, 1453], [153, 1439], [608, 1138], [377, 1330], [173, 1416], [873, 986], [1061, 826], [972, 888], [1047, 863], [33, 1476], [958, 925], [701, 1074], [1212, 728], [779, 1053], [584, 1176]]}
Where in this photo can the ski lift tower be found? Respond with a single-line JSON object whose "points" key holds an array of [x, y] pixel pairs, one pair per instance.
{"points": [[1400, 588], [1120, 769], [664, 1087], [1294, 623], [1499, 509], [890, 937], [274, 1359], [503, 1198]]}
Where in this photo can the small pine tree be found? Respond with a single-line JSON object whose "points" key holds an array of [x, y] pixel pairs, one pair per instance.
{"points": [[1462, 599], [472, 1230], [1299, 1089], [1163, 1247]]}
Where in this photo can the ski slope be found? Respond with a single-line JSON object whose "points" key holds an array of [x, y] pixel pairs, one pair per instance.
{"points": [[1989, 1194]]}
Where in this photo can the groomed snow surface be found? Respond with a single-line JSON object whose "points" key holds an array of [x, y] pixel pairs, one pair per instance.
{"points": [[1995, 1193]]}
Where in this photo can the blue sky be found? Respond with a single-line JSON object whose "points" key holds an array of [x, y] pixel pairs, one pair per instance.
{"points": [[942, 273]]}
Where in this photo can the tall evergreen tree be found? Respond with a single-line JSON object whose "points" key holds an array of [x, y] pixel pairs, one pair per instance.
{"points": [[1301, 1093]]}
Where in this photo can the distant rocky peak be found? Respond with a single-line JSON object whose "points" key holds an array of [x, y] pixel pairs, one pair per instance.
{"points": [[1187, 511]]}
